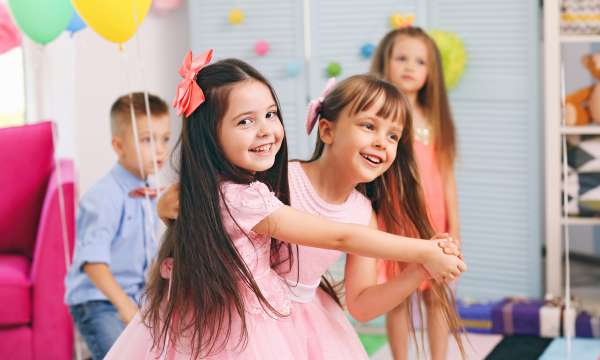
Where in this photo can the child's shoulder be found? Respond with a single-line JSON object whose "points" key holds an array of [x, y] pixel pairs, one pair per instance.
{"points": [[240, 194], [245, 205], [362, 201], [362, 206], [106, 192]]}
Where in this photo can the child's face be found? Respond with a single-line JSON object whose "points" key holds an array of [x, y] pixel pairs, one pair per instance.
{"points": [[408, 64], [365, 142], [124, 144], [251, 132]]}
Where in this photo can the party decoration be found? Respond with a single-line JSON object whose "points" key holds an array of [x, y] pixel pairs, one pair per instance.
{"points": [[366, 51], [10, 37], [398, 20], [453, 53], [314, 106], [115, 20], [41, 20], [163, 6], [261, 48], [76, 24], [189, 95], [334, 69], [236, 17], [293, 68]]}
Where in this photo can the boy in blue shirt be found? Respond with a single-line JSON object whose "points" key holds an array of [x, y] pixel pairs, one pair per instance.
{"points": [[116, 229]]}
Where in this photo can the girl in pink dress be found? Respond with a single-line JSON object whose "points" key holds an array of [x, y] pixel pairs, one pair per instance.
{"points": [[363, 123], [409, 59], [215, 294]]}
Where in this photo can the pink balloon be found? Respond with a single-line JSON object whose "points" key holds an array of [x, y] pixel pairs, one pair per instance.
{"points": [[165, 5], [261, 48], [10, 37]]}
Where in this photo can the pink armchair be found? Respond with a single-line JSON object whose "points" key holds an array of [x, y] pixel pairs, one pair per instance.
{"points": [[34, 322]]}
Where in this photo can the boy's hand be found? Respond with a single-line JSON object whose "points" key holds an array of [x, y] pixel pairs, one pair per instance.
{"points": [[103, 279], [127, 311], [168, 204]]}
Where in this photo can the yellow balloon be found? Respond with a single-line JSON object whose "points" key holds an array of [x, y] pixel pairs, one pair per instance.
{"points": [[114, 20]]}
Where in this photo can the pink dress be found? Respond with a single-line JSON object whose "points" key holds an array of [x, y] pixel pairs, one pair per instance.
{"points": [[433, 185], [331, 335], [269, 336]]}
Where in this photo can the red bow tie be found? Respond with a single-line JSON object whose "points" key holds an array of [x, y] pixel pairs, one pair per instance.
{"points": [[143, 191]]}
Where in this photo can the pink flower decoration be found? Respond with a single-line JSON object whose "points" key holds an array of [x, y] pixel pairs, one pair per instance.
{"points": [[189, 95], [314, 107], [261, 48], [10, 37]]}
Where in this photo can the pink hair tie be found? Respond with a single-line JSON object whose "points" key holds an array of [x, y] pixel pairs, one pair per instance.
{"points": [[314, 107], [189, 95], [166, 268], [166, 272]]}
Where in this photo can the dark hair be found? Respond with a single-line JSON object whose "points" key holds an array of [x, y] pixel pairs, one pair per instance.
{"points": [[120, 111], [396, 195], [208, 271]]}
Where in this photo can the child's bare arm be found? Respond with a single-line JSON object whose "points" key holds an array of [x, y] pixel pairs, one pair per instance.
{"points": [[290, 225], [365, 298], [452, 207], [102, 277]]}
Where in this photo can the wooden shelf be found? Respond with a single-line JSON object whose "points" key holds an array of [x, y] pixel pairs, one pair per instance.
{"points": [[566, 39], [580, 130], [580, 221]]}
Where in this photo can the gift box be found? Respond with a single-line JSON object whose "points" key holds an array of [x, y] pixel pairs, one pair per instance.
{"points": [[517, 316], [476, 317], [587, 325], [551, 315]]}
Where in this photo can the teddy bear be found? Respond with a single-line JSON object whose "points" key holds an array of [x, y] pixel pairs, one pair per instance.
{"points": [[583, 106]]}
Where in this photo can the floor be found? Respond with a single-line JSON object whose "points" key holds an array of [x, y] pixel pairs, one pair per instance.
{"points": [[585, 283], [477, 346]]}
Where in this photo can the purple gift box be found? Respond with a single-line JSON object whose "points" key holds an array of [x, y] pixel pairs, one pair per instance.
{"points": [[516, 316], [476, 317], [587, 326]]}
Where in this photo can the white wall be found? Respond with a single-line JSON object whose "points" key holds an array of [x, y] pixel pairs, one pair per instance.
{"points": [[74, 81]]}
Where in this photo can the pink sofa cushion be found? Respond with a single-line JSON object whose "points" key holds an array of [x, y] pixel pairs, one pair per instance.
{"points": [[15, 344], [15, 290], [26, 155]]}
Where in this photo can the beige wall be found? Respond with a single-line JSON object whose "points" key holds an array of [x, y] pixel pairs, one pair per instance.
{"points": [[75, 80]]}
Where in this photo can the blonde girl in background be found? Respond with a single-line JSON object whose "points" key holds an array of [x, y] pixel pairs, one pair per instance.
{"points": [[409, 59]]}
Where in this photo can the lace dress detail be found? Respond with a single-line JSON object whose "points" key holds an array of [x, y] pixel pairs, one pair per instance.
{"points": [[246, 206]]}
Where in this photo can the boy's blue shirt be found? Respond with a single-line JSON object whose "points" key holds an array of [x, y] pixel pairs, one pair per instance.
{"points": [[115, 229]]}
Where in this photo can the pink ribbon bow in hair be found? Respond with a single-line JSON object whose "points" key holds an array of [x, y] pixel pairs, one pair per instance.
{"points": [[314, 107], [189, 95]]}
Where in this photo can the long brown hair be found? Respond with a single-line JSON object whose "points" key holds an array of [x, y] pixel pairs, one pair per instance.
{"points": [[208, 271], [432, 98], [396, 195]]}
